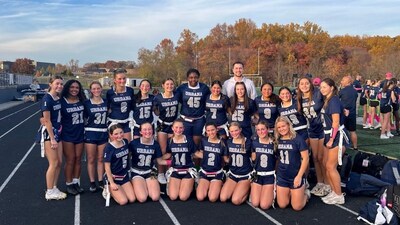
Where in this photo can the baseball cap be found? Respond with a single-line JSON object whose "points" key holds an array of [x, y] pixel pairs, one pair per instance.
{"points": [[316, 81], [389, 75]]}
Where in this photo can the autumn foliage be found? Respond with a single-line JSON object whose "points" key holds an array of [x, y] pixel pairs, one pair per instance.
{"points": [[283, 50]]}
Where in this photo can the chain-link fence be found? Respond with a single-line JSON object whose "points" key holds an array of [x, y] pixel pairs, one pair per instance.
{"points": [[9, 79]]}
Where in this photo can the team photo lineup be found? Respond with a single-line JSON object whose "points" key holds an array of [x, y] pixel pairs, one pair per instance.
{"points": [[224, 142]]}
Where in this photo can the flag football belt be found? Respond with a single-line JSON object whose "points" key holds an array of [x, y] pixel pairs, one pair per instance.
{"points": [[342, 135]]}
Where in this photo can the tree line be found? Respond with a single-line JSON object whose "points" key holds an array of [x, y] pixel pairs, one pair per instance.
{"points": [[274, 51], [284, 50]]}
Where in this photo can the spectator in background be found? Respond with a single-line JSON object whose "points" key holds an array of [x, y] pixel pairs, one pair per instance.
{"points": [[357, 86], [388, 76], [348, 97], [229, 85], [395, 105], [35, 85], [316, 82]]}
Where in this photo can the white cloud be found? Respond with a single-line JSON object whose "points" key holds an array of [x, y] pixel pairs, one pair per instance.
{"points": [[59, 31]]}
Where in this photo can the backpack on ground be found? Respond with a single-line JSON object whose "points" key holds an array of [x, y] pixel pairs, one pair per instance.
{"points": [[393, 198], [390, 172], [364, 184], [376, 213], [345, 169], [367, 163]]}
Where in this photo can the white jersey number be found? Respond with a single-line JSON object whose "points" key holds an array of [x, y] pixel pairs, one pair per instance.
{"points": [[194, 102], [144, 160], [100, 118], [180, 161], [238, 115], [77, 118], [237, 160], [284, 155]]}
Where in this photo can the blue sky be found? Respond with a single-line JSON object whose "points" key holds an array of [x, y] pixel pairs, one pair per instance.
{"points": [[96, 31]]}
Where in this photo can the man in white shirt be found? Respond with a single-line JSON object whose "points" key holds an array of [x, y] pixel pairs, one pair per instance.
{"points": [[229, 85]]}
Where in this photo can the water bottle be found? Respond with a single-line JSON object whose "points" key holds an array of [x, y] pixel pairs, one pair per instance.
{"points": [[383, 199]]}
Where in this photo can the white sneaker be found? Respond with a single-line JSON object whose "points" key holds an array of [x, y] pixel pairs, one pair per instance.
{"points": [[316, 188], [335, 199], [378, 126], [383, 136], [324, 191], [330, 195], [161, 178], [367, 126], [389, 134], [55, 194]]}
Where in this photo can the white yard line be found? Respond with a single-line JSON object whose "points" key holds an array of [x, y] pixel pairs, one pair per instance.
{"points": [[169, 212], [16, 168], [270, 218]]}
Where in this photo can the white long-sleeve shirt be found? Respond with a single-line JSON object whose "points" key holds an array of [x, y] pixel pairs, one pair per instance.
{"points": [[228, 88]]}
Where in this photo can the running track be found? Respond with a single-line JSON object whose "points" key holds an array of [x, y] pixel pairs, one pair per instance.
{"points": [[22, 180]]}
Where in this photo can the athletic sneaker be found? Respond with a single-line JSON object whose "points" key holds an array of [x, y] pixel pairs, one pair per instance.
{"points": [[383, 136], [78, 188], [323, 191], [367, 126], [378, 126], [71, 189], [330, 195], [316, 188], [389, 134], [55, 194], [93, 187], [161, 178], [335, 199], [61, 194]]}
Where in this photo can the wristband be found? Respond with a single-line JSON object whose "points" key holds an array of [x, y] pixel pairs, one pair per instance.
{"points": [[168, 162], [334, 132]]}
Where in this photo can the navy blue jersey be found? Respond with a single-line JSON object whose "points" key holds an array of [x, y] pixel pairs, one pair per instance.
{"points": [[143, 155], [242, 116], [216, 110], [386, 98], [265, 156], [181, 153], [117, 157], [72, 121], [289, 154], [357, 86], [167, 107], [96, 114], [396, 91], [120, 104], [296, 118], [267, 111], [212, 155], [365, 88], [312, 110], [143, 111], [348, 97], [373, 92], [239, 157], [334, 107], [193, 99], [54, 107]]}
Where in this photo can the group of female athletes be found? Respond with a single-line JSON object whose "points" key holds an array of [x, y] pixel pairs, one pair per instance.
{"points": [[210, 130], [380, 102]]}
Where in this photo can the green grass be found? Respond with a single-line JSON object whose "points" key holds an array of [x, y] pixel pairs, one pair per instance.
{"points": [[368, 140]]}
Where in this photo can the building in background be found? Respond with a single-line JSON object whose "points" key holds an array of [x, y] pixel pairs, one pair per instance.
{"points": [[5, 66]]}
